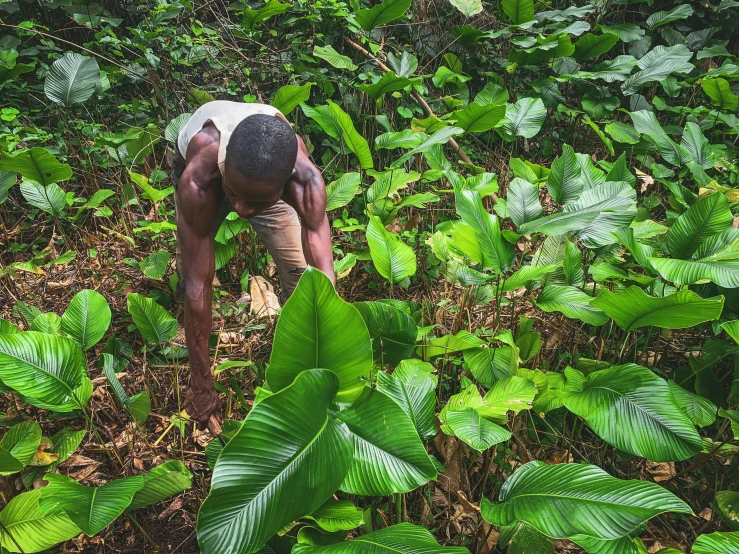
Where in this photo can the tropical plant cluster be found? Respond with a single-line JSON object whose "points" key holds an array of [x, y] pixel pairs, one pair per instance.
{"points": [[533, 345]]}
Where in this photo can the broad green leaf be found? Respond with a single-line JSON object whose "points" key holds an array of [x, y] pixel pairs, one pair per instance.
{"points": [[634, 308], [172, 131], [20, 442], [646, 122], [389, 82], [318, 329], [338, 515], [475, 430], [720, 93], [525, 118], [31, 530], [489, 365], [381, 14], [155, 265], [393, 332], [270, 9], [64, 443], [615, 203], [592, 545], [340, 192], [564, 182], [707, 217], [290, 97], [696, 145], [389, 457], [523, 201], [467, 7], [87, 318], [401, 139], [657, 64], [543, 50], [388, 183], [497, 253], [700, 411], [622, 132], [72, 79], [572, 302], [596, 504], [91, 509], [732, 329], [49, 198], [46, 369], [634, 410], [717, 543], [727, 505], [412, 386], [154, 322], [683, 11], [522, 538], [627, 32], [403, 538], [511, 393], [559, 223], [526, 274], [337, 124], [592, 46], [8, 463], [330, 55], [7, 180], [139, 404], [478, 119], [724, 273], [405, 65], [274, 470], [491, 94], [519, 11], [160, 483], [441, 136], [150, 193], [617, 69], [393, 259]]}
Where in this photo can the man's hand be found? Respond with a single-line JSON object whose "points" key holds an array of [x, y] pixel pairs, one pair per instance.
{"points": [[201, 404]]}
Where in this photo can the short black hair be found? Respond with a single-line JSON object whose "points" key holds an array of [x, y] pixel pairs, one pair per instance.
{"points": [[263, 147]]}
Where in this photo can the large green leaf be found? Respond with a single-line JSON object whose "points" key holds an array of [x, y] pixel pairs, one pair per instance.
{"points": [[724, 273], [525, 118], [389, 82], [21, 442], [634, 308], [634, 410], [290, 97], [564, 182], [91, 509], [46, 369], [559, 223], [592, 46], [155, 265], [467, 7], [727, 506], [163, 481], [519, 11], [472, 428], [522, 201], [154, 322], [388, 454], [707, 217], [658, 64], [340, 192], [338, 515], [571, 302], [683, 11], [8, 463], [338, 124], [700, 411], [139, 405], [393, 258], [510, 394], [63, 443], [23, 528], [564, 500], [615, 203], [382, 14], [403, 538], [318, 329], [478, 119], [717, 543], [489, 365], [329, 54], [49, 198], [393, 332], [696, 145], [271, 8], [286, 460], [646, 123], [441, 136], [87, 318], [72, 79], [720, 93], [7, 180], [522, 538], [497, 253], [412, 386], [592, 545]]}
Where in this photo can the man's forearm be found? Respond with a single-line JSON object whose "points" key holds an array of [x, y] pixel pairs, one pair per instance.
{"points": [[198, 320], [319, 245]]}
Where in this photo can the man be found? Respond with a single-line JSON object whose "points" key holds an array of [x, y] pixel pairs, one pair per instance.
{"points": [[246, 158]]}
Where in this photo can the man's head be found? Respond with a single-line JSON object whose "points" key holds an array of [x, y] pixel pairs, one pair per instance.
{"points": [[260, 157]]}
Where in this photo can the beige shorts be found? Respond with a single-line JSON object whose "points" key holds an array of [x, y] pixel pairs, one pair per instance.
{"points": [[278, 227]]}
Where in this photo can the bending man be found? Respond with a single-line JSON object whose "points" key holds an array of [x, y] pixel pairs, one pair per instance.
{"points": [[244, 158]]}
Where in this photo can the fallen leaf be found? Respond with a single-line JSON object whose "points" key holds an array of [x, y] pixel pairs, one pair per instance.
{"points": [[171, 509], [661, 471], [264, 302], [41, 457]]}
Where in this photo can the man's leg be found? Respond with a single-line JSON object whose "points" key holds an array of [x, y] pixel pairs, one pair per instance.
{"points": [[279, 229]]}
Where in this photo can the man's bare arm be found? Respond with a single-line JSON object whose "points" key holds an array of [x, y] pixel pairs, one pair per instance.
{"points": [[199, 198], [306, 192]]}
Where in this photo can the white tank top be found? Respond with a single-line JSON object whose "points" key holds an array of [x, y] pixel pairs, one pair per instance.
{"points": [[225, 115]]}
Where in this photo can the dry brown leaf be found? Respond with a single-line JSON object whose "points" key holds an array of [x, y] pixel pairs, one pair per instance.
{"points": [[85, 472], [661, 471], [706, 513], [469, 507], [264, 302], [489, 537], [171, 509], [77, 460]]}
